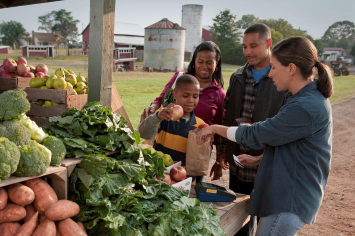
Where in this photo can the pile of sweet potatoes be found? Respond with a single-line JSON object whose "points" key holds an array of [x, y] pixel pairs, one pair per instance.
{"points": [[33, 208]]}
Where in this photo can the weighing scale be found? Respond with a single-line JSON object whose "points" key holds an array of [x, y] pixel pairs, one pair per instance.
{"points": [[207, 192]]}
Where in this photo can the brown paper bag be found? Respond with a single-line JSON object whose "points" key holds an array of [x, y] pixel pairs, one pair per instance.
{"points": [[197, 155]]}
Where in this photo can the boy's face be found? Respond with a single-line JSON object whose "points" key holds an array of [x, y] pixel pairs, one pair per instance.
{"points": [[187, 96]]}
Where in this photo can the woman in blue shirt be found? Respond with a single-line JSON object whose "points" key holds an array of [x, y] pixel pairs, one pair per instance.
{"points": [[294, 168]]}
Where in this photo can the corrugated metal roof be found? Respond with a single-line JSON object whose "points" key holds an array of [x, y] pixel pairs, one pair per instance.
{"points": [[165, 24], [129, 40], [45, 37]]}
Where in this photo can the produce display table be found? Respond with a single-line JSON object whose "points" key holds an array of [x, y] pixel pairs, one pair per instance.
{"points": [[233, 215], [58, 176]]}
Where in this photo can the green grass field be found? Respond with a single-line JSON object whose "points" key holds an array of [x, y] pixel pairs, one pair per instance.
{"points": [[139, 89]]}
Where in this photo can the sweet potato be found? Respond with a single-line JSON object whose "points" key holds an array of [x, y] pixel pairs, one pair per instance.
{"points": [[62, 209], [46, 227], [68, 227], [3, 198], [44, 194], [30, 211], [27, 228], [57, 233], [20, 194], [12, 213], [9, 229], [81, 225]]}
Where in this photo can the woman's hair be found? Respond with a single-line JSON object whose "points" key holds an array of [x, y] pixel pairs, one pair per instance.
{"points": [[301, 52], [212, 47]]}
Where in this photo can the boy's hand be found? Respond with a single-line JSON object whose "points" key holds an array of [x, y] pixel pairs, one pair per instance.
{"points": [[165, 114], [148, 111]]}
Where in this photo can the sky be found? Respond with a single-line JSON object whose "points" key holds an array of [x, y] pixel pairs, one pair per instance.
{"points": [[314, 16]]}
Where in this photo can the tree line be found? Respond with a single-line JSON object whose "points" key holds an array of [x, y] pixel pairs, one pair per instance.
{"points": [[226, 35], [61, 23]]}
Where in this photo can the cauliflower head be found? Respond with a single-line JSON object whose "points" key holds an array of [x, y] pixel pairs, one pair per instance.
{"points": [[34, 160], [15, 132], [57, 147], [13, 104], [9, 158], [37, 132]]}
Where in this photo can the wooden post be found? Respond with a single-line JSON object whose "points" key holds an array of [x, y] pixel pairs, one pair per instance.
{"points": [[102, 24]]}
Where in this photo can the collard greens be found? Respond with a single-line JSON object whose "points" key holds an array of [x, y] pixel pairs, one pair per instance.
{"points": [[121, 196]]}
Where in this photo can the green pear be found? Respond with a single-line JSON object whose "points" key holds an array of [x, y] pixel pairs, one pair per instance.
{"points": [[74, 92], [59, 83], [151, 149], [69, 86], [59, 72], [81, 85], [39, 102], [80, 90], [72, 72], [48, 103], [81, 78], [43, 87], [50, 81], [37, 82], [65, 72], [160, 154], [71, 79], [168, 161]]}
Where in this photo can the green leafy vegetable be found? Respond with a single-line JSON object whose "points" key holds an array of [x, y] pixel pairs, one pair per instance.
{"points": [[168, 98]]}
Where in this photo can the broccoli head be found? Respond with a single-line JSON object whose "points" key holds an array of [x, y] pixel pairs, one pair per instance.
{"points": [[34, 160], [13, 104], [15, 132], [9, 158], [57, 147]]}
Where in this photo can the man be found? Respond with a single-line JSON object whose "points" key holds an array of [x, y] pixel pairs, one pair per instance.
{"points": [[251, 97]]}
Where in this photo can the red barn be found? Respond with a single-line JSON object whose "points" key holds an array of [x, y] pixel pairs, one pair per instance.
{"points": [[37, 51], [128, 44], [4, 49]]}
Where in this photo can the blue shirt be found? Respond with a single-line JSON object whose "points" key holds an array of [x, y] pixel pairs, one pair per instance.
{"points": [[258, 74], [298, 143]]}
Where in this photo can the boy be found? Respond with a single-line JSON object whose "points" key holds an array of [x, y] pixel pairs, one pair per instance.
{"points": [[171, 136]]}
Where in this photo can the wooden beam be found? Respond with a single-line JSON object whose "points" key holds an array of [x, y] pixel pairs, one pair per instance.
{"points": [[102, 24], [4, 3]]}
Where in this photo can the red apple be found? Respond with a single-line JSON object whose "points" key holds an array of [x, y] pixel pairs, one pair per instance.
{"points": [[42, 68], [40, 74], [177, 173], [10, 65], [22, 69], [21, 60], [5, 75], [28, 75], [204, 125], [2, 69], [177, 112], [33, 69], [172, 182], [166, 178]]}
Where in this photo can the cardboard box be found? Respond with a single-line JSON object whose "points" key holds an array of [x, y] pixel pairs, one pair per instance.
{"points": [[184, 184], [64, 97], [14, 83]]}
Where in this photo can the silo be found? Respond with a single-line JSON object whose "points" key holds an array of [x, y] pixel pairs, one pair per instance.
{"points": [[164, 44], [192, 21]]}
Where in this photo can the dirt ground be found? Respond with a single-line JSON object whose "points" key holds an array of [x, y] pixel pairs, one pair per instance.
{"points": [[336, 216]]}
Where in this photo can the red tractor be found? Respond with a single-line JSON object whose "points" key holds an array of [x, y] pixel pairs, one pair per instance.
{"points": [[338, 65]]}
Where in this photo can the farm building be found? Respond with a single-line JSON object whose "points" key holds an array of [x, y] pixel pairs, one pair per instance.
{"points": [[37, 51], [164, 46], [128, 44], [4, 49], [340, 52], [40, 38]]}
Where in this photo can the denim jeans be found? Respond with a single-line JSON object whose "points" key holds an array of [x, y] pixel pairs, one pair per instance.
{"points": [[282, 224]]}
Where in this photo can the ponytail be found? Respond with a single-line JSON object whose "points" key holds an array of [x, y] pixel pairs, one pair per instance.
{"points": [[325, 80]]}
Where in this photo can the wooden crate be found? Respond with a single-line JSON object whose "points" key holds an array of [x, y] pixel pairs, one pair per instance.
{"points": [[64, 97], [14, 83], [58, 177], [40, 121]]}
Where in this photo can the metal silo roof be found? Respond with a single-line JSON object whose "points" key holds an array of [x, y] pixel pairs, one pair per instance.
{"points": [[165, 24]]}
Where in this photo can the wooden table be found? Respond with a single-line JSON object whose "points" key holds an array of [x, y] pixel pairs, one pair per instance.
{"points": [[233, 215]]}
